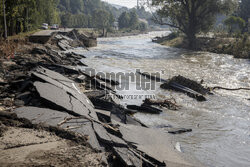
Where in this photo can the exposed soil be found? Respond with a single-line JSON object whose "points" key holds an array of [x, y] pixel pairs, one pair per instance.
{"points": [[39, 146]]}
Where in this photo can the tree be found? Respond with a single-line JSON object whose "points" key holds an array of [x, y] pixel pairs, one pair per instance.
{"points": [[102, 19], [190, 16], [235, 23], [124, 20], [134, 21], [4, 19], [143, 26]]}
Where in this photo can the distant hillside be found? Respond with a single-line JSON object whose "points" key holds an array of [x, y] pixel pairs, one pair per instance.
{"points": [[117, 6], [79, 13]]}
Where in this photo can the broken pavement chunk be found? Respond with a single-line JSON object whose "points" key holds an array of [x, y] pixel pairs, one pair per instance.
{"points": [[61, 98], [155, 143], [128, 158], [54, 118]]}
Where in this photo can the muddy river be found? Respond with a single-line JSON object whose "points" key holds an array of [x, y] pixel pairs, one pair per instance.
{"points": [[221, 125]]}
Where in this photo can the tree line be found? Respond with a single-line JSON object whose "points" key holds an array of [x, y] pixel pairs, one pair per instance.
{"points": [[27, 15], [130, 20], [192, 17]]}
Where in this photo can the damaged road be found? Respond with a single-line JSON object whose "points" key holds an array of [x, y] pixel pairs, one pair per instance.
{"points": [[51, 92], [64, 106]]}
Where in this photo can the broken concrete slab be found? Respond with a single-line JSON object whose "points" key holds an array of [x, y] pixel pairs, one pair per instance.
{"points": [[60, 98], [54, 75], [128, 157], [106, 137], [41, 115], [67, 85], [54, 118], [155, 143]]}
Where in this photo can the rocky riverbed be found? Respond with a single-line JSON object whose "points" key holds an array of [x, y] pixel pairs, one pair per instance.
{"points": [[47, 94]]}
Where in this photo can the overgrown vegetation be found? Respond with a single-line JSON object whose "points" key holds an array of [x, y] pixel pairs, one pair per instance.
{"points": [[130, 20], [28, 15]]}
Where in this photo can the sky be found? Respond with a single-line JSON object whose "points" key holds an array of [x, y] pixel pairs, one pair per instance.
{"points": [[127, 3]]}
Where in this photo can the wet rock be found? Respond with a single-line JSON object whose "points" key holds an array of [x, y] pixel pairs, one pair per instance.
{"points": [[145, 108]]}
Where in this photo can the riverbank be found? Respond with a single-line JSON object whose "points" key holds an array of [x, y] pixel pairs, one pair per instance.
{"points": [[238, 47], [41, 84]]}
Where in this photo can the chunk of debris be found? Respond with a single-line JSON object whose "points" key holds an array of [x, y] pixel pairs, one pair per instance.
{"points": [[168, 103], [145, 108], [177, 130], [191, 88]]}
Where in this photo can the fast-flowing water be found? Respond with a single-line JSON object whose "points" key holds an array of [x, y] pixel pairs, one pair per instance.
{"points": [[221, 125]]}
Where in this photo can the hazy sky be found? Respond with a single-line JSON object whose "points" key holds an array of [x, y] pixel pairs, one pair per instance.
{"points": [[127, 3]]}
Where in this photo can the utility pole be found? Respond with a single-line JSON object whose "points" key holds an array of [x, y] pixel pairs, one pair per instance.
{"points": [[5, 24], [137, 4]]}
